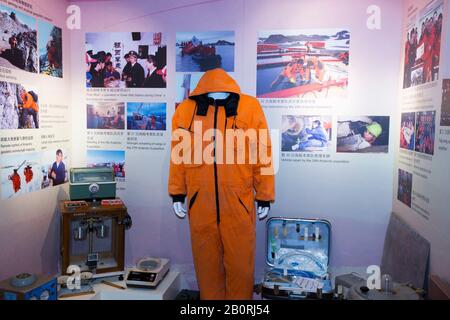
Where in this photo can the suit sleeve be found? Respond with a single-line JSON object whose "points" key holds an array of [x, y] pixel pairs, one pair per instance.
{"points": [[263, 173], [177, 175]]}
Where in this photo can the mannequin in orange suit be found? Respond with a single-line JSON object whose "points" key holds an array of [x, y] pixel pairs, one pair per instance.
{"points": [[221, 197]]}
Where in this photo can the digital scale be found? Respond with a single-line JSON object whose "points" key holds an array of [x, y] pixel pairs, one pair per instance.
{"points": [[148, 274]]}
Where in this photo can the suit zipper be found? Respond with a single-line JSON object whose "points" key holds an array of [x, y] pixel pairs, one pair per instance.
{"points": [[215, 163]]}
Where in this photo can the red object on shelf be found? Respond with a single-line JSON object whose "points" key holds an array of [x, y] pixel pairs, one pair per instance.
{"points": [[112, 202]]}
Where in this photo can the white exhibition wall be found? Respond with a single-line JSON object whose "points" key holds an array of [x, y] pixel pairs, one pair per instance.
{"points": [[351, 190]]}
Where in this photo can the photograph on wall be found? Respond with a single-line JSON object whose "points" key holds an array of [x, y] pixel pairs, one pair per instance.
{"points": [[18, 43], [404, 192], [306, 133], [126, 60], [363, 134], [407, 131], [106, 115], [423, 45], [107, 158], [146, 116], [20, 174], [50, 49], [55, 168], [19, 106], [303, 63], [203, 51], [445, 107], [186, 83], [425, 131]]}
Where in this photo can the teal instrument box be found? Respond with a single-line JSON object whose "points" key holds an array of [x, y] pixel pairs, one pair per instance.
{"points": [[92, 184]]}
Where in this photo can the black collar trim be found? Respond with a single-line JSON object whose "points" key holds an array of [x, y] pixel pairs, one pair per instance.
{"points": [[230, 104]]}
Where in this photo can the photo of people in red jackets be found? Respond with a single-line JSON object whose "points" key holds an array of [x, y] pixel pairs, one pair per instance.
{"points": [[20, 174], [114, 159], [300, 64], [23, 173], [423, 46], [425, 132], [445, 108]]}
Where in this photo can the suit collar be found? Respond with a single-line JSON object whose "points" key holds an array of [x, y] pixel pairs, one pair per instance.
{"points": [[230, 104]]}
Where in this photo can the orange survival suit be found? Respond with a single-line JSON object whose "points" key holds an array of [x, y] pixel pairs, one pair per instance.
{"points": [[221, 195]]}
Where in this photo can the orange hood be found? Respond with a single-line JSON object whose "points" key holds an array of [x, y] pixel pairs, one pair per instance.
{"points": [[216, 80]]}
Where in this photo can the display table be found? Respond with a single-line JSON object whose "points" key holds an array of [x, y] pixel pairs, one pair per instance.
{"points": [[166, 290]]}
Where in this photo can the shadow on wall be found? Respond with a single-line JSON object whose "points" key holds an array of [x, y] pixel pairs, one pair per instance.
{"points": [[50, 257]]}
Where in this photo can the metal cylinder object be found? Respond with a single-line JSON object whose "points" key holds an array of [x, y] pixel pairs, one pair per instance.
{"points": [[101, 231], [386, 283], [80, 233]]}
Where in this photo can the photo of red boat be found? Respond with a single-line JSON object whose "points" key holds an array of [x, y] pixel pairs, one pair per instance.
{"points": [[203, 51]]}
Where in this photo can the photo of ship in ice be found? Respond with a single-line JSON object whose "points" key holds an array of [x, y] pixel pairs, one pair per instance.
{"points": [[303, 63], [203, 51]]}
